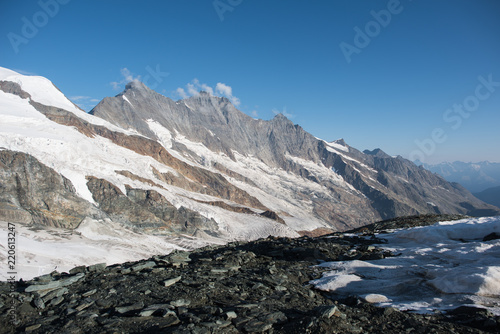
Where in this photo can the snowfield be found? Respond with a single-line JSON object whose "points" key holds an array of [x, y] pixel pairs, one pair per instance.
{"points": [[43, 91], [41, 250], [440, 267]]}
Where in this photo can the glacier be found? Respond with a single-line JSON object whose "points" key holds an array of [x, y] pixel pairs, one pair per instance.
{"points": [[437, 267]]}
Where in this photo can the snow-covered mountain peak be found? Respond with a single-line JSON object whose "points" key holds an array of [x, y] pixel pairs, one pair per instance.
{"points": [[5, 73], [41, 89]]}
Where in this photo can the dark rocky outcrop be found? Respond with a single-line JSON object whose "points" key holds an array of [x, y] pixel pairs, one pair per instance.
{"points": [[147, 210], [31, 192], [256, 287]]}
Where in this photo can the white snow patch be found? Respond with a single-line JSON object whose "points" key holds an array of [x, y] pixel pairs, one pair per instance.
{"points": [[402, 179], [40, 251], [321, 171], [345, 156], [164, 136], [125, 98], [338, 146], [440, 267], [43, 91]]}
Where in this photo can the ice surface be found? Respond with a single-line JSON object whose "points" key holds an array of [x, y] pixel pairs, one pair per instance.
{"points": [[43, 91], [440, 267], [42, 250]]}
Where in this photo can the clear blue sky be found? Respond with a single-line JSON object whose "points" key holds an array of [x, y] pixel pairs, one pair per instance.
{"points": [[286, 56]]}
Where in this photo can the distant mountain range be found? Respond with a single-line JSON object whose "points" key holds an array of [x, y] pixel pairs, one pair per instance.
{"points": [[490, 195], [194, 171], [475, 177]]}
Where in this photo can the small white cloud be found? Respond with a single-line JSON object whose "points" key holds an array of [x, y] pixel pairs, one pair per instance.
{"points": [[192, 90], [127, 77], [227, 91], [182, 93], [207, 89], [254, 113], [195, 86], [224, 89], [94, 100], [127, 74]]}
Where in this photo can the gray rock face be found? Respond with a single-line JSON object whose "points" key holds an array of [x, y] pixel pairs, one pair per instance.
{"points": [[147, 210], [490, 195], [31, 192], [214, 121], [385, 187], [34, 193]]}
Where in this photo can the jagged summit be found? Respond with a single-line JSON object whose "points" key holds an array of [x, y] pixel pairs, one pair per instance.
{"points": [[135, 84], [377, 153], [340, 141], [281, 119], [221, 129]]}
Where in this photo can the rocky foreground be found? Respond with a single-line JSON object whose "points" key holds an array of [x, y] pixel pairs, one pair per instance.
{"points": [[255, 287]]}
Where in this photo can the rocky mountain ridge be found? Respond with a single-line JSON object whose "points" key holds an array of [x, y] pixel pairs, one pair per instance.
{"points": [[490, 195], [196, 169], [376, 184]]}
